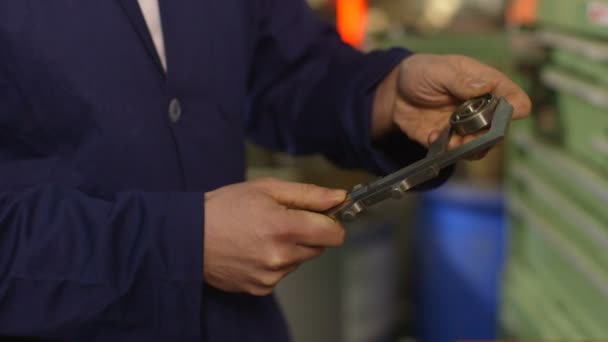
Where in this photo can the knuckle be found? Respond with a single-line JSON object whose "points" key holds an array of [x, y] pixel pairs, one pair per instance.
{"points": [[461, 59], [270, 280], [259, 291], [314, 252], [452, 56], [288, 231], [317, 253], [279, 229], [275, 260], [265, 182], [303, 188], [455, 58], [309, 189]]}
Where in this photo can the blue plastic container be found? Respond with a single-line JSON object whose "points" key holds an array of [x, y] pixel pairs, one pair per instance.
{"points": [[460, 254]]}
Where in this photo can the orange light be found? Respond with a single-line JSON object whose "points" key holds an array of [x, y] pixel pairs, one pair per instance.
{"points": [[522, 12], [352, 20]]}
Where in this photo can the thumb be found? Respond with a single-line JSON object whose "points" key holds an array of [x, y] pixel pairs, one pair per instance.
{"points": [[468, 87], [302, 196]]}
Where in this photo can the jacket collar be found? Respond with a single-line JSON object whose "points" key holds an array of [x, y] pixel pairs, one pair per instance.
{"points": [[135, 15]]}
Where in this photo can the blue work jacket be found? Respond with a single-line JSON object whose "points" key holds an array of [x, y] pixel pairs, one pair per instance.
{"points": [[104, 157]]}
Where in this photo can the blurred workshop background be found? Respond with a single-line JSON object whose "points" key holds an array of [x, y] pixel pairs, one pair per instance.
{"points": [[515, 246]]}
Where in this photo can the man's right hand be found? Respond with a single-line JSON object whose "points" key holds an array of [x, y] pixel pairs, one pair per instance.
{"points": [[258, 232]]}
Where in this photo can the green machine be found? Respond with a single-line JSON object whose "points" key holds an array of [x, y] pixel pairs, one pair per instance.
{"points": [[556, 285]]}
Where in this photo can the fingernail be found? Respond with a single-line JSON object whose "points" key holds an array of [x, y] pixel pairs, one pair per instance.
{"points": [[325, 221], [339, 195], [477, 83]]}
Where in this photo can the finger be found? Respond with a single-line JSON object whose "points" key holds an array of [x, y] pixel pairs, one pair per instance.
{"points": [[465, 86], [458, 140], [502, 86], [265, 283], [306, 253], [467, 139], [455, 142], [297, 255], [522, 105], [476, 79], [261, 291], [300, 195], [434, 136], [290, 256], [479, 155], [271, 278], [314, 230], [472, 137]]}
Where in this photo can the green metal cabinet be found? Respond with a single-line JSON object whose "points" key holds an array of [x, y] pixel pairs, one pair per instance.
{"points": [[588, 17], [556, 286]]}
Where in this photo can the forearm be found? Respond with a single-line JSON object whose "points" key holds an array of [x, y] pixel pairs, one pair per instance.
{"points": [[72, 264]]}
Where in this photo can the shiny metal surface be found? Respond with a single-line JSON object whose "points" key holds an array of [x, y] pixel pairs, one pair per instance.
{"points": [[474, 115], [471, 117]]}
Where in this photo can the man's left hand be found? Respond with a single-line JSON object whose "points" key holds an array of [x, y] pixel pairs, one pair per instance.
{"points": [[420, 94]]}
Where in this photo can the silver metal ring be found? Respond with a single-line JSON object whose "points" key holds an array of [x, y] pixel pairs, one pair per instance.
{"points": [[474, 115]]}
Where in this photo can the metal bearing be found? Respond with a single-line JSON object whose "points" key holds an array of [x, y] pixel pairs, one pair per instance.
{"points": [[474, 114]]}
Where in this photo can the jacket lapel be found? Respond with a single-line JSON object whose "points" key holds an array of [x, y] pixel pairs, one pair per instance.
{"points": [[131, 7], [188, 26]]}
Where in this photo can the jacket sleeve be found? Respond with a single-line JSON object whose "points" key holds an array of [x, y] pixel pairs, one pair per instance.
{"points": [[311, 93], [72, 264]]}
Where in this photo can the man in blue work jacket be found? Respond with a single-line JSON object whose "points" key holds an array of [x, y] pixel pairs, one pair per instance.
{"points": [[124, 215]]}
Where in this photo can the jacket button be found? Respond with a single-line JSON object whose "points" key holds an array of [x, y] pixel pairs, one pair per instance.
{"points": [[175, 110]]}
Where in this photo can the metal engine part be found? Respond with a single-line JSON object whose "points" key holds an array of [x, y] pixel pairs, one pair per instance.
{"points": [[473, 116]]}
